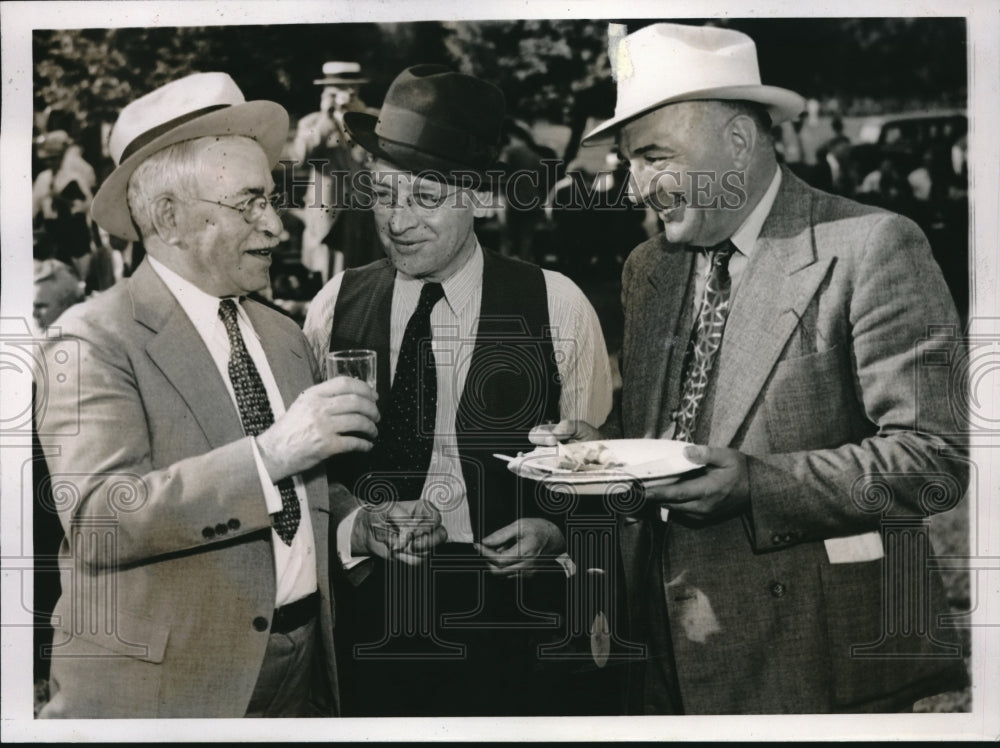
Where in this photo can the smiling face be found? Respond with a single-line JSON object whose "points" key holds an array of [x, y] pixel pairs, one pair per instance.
{"points": [[425, 226], [220, 252], [680, 156]]}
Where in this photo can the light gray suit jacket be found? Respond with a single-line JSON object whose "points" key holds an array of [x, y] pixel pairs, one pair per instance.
{"points": [[834, 378], [168, 572]]}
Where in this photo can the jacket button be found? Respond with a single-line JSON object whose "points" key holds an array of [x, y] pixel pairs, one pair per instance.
{"points": [[208, 533], [777, 589], [260, 623], [221, 529], [234, 524]]}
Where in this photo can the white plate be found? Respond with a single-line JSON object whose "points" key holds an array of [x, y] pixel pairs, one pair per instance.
{"points": [[654, 462]]}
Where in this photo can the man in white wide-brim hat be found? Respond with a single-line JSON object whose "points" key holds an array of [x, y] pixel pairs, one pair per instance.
{"points": [[801, 342], [186, 427]]}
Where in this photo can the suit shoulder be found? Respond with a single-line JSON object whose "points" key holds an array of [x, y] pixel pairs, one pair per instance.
{"points": [[103, 313]]}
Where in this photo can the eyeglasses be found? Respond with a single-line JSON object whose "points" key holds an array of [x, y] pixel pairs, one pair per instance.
{"points": [[253, 208]]}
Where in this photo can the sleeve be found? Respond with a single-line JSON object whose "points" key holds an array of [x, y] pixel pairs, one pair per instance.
{"points": [[581, 352], [101, 462], [319, 319], [902, 326]]}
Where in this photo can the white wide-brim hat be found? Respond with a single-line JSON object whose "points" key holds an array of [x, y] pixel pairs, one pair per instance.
{"points": [[669, 62], [199, 105]]}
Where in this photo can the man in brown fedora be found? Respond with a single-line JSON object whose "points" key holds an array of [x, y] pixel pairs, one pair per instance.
{"points": [[474, 349], [807, 347], [186, 443]]}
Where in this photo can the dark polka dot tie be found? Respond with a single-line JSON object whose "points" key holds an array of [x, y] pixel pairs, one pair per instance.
{"points": [[402, 452], [256, 414], [710, 325]]}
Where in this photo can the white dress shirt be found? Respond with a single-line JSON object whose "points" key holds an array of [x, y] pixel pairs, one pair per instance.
{"points": [[744, 239], [579, 348], [294, 565]]}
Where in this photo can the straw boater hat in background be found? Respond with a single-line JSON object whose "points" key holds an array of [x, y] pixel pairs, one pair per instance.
{"points": [[667, 62], [437, 121], [341, 74], [201, 104]]}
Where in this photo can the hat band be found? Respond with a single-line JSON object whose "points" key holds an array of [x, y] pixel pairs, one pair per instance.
{"points": [[415, 130], [152, 134]]}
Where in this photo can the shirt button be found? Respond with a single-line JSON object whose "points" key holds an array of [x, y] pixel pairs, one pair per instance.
{"points": [[234, 524], [208, 533], [260, 623], [221, 529], [777, 589]]}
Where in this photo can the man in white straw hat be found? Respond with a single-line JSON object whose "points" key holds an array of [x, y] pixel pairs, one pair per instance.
{"points": [[186, 442], [802, 341]]}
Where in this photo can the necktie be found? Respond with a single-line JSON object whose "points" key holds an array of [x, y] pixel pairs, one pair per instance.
{"points": [[406, 434], [256, 414], [707, 339]]}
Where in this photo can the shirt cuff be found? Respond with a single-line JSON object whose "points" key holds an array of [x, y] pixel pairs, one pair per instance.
{"points": [[344, 531], [567, 564], [272, 496]]}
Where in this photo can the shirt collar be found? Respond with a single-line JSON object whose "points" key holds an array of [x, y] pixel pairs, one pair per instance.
{"points": [[459, 288], [745, 237], [200, 307]]}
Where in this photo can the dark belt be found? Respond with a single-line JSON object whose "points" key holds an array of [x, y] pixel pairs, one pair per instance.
{"points": [[295, 615]]}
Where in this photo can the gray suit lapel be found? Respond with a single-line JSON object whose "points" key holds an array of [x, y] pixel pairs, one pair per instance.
{"points": [[780, 280], [181, 355], [659, 351]]}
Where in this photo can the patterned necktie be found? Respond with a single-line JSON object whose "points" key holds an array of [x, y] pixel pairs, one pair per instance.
{"points": [[406, 433], [707, 339], [256, 415]]}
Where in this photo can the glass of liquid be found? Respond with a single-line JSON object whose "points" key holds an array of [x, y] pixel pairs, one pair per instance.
{"points": [[357, 363]]}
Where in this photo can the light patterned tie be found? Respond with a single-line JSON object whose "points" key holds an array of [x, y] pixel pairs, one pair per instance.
{"points": [[256, 415], [709, 327], [406, 433]]}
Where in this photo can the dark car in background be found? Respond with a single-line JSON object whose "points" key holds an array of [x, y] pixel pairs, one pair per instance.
{"points": [[906, 139]]}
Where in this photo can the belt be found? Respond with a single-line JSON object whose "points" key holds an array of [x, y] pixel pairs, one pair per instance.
{"points": [[295, 615]]}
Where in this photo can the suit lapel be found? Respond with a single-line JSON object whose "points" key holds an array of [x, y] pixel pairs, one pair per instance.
{"points": [[181, 355], [779, 282], [659, 351]]}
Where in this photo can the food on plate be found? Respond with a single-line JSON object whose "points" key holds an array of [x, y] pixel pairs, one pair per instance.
{"points": [[581, 457]]}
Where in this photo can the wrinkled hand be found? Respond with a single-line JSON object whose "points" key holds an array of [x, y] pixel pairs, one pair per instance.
{"points": [[722, 489], [404, 531], [522, 547], [335, 416], [550, 434]]}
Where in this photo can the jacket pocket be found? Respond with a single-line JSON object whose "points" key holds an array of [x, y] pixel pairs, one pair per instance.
{"points": [[811, 403]]}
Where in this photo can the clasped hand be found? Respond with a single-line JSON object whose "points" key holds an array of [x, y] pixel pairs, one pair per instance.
{"points": [[721, 489], [402, 531]]}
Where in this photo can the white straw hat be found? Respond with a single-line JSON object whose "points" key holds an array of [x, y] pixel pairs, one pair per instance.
{"points": [[202, 104], [668, 62]]}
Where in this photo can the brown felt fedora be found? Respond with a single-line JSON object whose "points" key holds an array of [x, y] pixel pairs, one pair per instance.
{"points": [[438, 122]]}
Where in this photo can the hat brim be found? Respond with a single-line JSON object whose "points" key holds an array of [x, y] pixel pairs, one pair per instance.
{"points": [[340, 81], [264, 121], [780, 103], [361, 127]]}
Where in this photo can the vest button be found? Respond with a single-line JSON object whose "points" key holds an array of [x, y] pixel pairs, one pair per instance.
{"points": [[777, 589], [776, 539], [208, 533], [260, 623]]}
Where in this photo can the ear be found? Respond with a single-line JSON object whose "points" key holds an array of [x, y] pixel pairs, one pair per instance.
{"points": [[163, 215], [741, 137]]}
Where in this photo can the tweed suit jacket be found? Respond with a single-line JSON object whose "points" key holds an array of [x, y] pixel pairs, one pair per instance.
{"points": [[825, 382], [168, 569]]}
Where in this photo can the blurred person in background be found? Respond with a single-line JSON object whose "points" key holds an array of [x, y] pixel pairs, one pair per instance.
{"points": [[341, 234], [57, 288]]}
